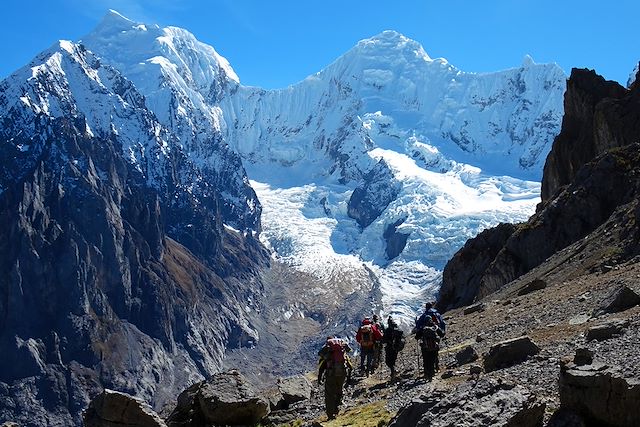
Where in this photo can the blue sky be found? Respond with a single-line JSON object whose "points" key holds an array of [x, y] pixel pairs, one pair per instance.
{"points": [[274, 43]]}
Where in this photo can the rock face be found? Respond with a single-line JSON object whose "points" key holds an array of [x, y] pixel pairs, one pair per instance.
{"points": [[591, 177], [598, 115], [462, 274], [509, 352], [116, 269], [493, 403], [369, 200], [224, 399], [113, 409], [600, 395]]}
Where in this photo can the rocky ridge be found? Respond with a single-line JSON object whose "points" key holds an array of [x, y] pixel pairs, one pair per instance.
{"points": [[590, 179], [100, 262]]}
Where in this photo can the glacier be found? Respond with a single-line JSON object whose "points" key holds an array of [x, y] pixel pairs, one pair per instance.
{"points": [[466, 148]]}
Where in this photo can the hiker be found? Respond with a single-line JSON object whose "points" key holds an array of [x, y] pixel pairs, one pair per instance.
{"points": [[393, 339], [377, 345], [367, 335], [437, 318], [334, 369], [429, 338]]}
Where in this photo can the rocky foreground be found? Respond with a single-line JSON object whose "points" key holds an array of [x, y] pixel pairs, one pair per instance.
{"points": [[562, 354]]}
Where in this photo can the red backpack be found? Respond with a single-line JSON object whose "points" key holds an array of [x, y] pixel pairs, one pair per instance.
{"points": [[366, 336], [336, 354]]}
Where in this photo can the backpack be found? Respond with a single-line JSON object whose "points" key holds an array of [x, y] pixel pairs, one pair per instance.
{"points": [[334, 356], [430, 340], [398, 340], [366, 336]]}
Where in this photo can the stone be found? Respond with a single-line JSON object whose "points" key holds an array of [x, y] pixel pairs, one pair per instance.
{"points": [[466, 355], [447, 374], [509, 352], [583, 356], [621, 299], [532, 286], [223, 399], [486, 402], [564, 417], [600, 394], [113, 409], [475, 370], [294, 389], [606, 331], [474, 308]]}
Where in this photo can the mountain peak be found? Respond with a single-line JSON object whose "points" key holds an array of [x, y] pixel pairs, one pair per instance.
{"points": [[114, 20], [390, 41]]}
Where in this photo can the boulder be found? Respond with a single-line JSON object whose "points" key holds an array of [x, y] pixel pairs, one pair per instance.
{"points": [[114, 409], [509, 352], [532, 286], [224, 399], [606, 330], [485, 402], [564, 417], [583, 356], [621, 299], [600, 394], [293, 389], [466, 355], [474, 308]]}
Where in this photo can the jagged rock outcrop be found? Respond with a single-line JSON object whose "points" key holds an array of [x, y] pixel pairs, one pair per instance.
{"points": [[600, 395], [592, 170], [494, 403], [223, 399], [462, 274], [114, 409], [598, 115], [371, 198]]}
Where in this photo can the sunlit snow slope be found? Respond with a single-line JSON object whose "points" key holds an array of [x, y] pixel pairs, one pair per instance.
{"points": [[465, 150]]}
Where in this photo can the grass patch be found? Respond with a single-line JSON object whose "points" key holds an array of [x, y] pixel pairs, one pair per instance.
{"points": [[370, 415]]}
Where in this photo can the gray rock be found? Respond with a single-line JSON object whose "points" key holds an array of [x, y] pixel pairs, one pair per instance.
{"points": [[621, 299], [532, 286], [564, 417], [509, 352], [114, 409], [486, 402], [294, 389], [474, 308], [475, 370], [224, 399], [606, 330], [600, 394], [466, 355], [583, 356]]}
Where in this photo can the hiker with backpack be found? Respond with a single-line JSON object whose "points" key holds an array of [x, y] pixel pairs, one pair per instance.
{"points": [[430, 311], [394, 341], [378, 345], [367, 336], [334, 369], [436, 318], [429, 338]]}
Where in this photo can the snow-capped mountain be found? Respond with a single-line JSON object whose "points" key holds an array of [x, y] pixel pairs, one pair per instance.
{"points": [[465, 150], [124, 186]]}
